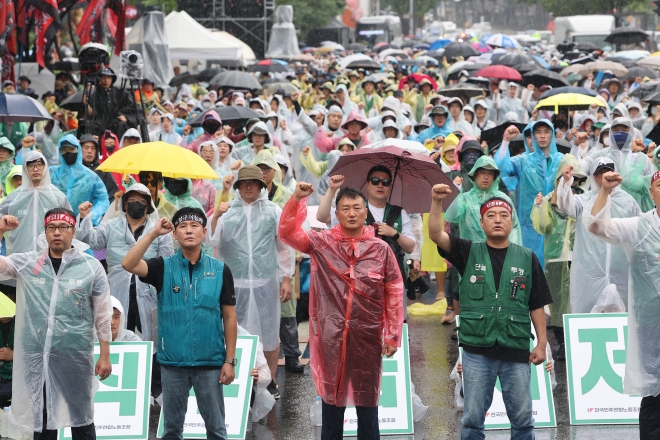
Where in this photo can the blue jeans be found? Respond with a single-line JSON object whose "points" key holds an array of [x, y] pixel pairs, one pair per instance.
{"points": [[479, 376], [177, 382]]}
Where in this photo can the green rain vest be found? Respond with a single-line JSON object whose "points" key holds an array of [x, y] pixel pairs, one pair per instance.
{"points": [[490, 314]]}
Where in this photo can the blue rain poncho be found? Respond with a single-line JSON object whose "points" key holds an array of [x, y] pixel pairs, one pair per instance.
{"points": [[79, 183], [434, 130], [535, 174]]}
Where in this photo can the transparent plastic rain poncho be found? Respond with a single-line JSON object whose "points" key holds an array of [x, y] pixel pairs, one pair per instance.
{"points": [[123, 335], [29, 205], [558, 230], [324, 181], [507, 104], [79, 183], [633, 167], [115, 237], [535, 174], [247, 240], [56, 318], [282, 194], [221, 168], [465, 209], [460, 123], [263, 400], [204, 192], [639, 238], [355, 303], [595, 263]]}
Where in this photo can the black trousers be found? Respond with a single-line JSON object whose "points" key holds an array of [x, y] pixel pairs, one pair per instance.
{"points": [[333, 422], [289, 337], [649, 418], [87, 432]]}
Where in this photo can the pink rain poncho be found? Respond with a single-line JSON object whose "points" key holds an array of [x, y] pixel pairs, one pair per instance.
{"points": [[355, 304]]}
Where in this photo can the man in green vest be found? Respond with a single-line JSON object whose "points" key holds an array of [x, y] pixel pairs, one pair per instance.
{"points": [[502, 292]]}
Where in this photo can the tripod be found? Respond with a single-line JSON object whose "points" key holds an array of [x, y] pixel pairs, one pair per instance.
{"points": [[134, 85]]}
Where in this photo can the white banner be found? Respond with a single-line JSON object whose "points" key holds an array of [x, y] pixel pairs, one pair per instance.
{"points": [[236, 396], [121, 404], [596, 366], [395, 404]]}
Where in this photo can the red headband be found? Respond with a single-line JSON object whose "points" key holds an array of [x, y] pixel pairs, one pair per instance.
{"points": [[60, 217], [497, 203], [655, 177]]}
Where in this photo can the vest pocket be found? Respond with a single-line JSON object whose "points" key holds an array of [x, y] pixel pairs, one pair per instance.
{"points": [[520, 327], [472, 324], [476, 290]]}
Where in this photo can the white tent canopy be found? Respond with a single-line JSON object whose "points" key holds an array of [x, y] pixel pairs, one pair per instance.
{"points": [[248, 56], [190, 40]]}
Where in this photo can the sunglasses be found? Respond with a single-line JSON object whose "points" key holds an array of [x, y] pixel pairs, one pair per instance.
{"points": [[375, 181], [149, 182]]}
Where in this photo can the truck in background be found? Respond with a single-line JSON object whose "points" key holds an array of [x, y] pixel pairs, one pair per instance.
{"points": [[584, 29]]}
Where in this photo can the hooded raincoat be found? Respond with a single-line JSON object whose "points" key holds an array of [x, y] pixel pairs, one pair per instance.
{"points": [[171, 137], [123, 335], [508, 104], [29, 205], [558, 229], [488, 123], [17, 170], [596, 264], [536, 174], [116, 238], [79, 183], [204, 192], [185, 199], [355, 303], [57, 315], [434, 130], [460, 123], [194, 145], [7, 165], [248, 242]]}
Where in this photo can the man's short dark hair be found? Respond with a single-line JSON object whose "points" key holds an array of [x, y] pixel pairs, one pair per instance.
{"points": [[145, 175], [59, 211], [33, 161], [379, 168], [349, 193]]}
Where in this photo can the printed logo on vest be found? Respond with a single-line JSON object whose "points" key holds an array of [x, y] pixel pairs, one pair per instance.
{"points": [[208, 274], [517, 270], [480, 267]]}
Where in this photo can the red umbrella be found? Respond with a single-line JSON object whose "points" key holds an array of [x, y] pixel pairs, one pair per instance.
{"points": [[499, 72], [418, 77], [413, 175]]}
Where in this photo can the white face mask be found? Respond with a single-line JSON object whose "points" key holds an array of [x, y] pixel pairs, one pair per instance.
{"points": [[206, 104], [606, 141]]}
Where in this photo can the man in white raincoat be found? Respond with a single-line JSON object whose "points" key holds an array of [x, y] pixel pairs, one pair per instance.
{"points": [[639, 237], [245, 232], [62, 298], [117, 236], [511, 103]]}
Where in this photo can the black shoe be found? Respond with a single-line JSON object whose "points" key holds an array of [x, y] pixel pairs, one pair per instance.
{"points": [[293, 365], [272, 389], [561, 353]]}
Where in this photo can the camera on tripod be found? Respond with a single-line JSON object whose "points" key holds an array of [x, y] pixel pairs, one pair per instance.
{"points": [[131, 64], [92, 58]]}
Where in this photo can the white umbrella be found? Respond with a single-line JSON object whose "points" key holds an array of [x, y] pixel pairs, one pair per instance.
{"points": [[651, 62], [393, 53], [42, 82], [617, 69], [410, 146], [502, 40], [349, 59]]}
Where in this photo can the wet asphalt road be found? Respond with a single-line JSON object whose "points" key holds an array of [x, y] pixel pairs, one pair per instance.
{"points": [[432, 357]]}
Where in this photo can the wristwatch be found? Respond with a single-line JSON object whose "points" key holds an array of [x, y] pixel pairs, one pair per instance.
{"points": [[396, 236], [233, 361]]}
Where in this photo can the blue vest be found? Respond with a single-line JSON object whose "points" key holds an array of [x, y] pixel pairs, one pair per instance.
{"points": [[190, 332]]}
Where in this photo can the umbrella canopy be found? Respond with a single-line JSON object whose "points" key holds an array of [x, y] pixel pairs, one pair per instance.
{"points": [[463, 89], [493, 136], [409, 43], [502, 40], [481, 47], [236, 79], [636, 71], [409, 146], [586, 46], [511, 59], [569, 89], [422, 46], [270, 66], [15, 107], [364, 64], [7, 306], [650, 62], [355, 57], [413, 175], [632, 54], [207, 74], [171, 160], [526, 68], [73, 102], [617, 69], [440, 43], [357, 47], [455, 69], [541, 61], [286, 86], [653, 99], [413, 62], [183, 78], [393, 53], [227, 114], [418, 77], [573, 68], [568, 101], [646, 89], [384, 46], [460, 49], [626, 35], [626, 62], [437, 54], [427, 59], [544, 77], [499, 72]]}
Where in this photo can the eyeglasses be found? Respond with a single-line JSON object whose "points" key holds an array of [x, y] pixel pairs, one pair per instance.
{"points": [[137, 200], [375, 181], [62, 228], [35, 165]]}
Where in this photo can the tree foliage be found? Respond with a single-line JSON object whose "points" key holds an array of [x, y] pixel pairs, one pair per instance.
{"points": [[400, 7], [166, 6], [584, 7], [308, 15]]}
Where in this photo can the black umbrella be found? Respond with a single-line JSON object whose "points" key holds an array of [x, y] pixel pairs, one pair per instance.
{"points": [[227, 114], [626, 35], [235, 79], [627, 62], [480, 81], [364, 64], [208, 74], [494, 135], [357, 47], [437, 54], [565, 47], [587, 46], [645, 90], [558, 68], [463, 89], [15, 107], [67, 64], [386, 46], [409, 43], [73, 102], [183, 78], [544, 77], [513, 59], [653, 99], [634, 72], [573, 55], [412, 62], [584, 59], [526, 67], [465, 50], [569, 89], [269, 66], [654, 134]]}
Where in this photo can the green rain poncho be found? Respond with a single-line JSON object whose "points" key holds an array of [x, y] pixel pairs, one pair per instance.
{"points": [[464, 210], [184, 200], [7, 165], [558, 230]]}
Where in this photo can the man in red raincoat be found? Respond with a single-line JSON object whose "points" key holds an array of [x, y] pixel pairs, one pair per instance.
{"points": [[355, 308]]}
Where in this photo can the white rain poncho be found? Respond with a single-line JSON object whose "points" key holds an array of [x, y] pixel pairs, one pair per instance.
{"points": [[123, 335], [595, 264], [170, 137], [507, 104], [215, 164], [246, 236], [487, 122], [263, 400], [29, 205], [115, 237], [460, 123], [56, 316], [639, 238]]}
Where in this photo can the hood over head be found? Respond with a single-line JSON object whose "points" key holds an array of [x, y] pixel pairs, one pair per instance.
{"points": [[31, 156], [138, 188], [130, 133], [69, 139]]}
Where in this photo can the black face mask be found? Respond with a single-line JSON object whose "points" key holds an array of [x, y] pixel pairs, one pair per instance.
{"points": [[211, 126], [110, 148], [135, 210], [70, 158], [177, 187], [560, 123], [470, 158]]}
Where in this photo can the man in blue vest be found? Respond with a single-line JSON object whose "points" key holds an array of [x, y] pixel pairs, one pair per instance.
{"points": [[196, 321], [501, 293]]}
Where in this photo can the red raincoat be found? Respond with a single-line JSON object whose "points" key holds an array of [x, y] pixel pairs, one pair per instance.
{"points": [[355, 303]]}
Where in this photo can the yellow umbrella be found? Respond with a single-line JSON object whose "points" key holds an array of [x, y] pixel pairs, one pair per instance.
{"points": [[7, 307], [655, 54], [171, 160], [324, 49], [569, 101]]}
